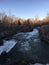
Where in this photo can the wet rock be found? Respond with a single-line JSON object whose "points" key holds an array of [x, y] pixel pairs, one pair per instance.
{"points": [[3, 57], [1, 42], [19, 63]]}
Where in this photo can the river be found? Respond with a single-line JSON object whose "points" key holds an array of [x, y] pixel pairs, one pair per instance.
{"points": [[29, 45]]}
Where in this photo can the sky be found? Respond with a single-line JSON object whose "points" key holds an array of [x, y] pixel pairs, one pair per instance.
{"points": [[25, 8]]}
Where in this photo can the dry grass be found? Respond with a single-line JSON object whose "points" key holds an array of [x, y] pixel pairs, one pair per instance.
{"points": [[10, 25]]}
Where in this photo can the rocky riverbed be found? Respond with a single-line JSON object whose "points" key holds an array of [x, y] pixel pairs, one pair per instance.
{"points": [[25, 49]]}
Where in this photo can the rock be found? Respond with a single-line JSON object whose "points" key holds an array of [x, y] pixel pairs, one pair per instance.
{"points": [[1, 42], [3, 57], [19, 63]]}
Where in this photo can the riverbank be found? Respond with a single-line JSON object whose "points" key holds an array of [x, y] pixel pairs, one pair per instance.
{"points": [[44, 33]]}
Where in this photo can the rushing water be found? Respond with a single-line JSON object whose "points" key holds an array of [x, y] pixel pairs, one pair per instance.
{"points": [[7, 46], [29, 47]]}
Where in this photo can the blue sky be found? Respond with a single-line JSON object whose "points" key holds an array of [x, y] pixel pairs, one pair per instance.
{"points": [[25, 8]]}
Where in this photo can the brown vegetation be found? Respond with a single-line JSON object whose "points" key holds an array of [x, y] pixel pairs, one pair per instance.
{"points": [[44, 29], [10, 25], [44, 33]]}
